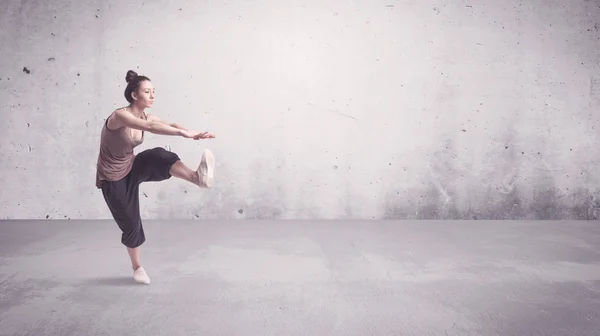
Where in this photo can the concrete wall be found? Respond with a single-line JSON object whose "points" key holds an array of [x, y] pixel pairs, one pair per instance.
{"points": [[322, 109]]}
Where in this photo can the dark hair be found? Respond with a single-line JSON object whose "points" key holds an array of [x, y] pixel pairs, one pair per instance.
{"points": [[133, 83]]}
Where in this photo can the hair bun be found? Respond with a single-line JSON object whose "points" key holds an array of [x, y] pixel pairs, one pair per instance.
{"points": [[130, 76]]}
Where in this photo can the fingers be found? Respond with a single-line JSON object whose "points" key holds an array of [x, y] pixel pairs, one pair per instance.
{"points": [[203, 135]]}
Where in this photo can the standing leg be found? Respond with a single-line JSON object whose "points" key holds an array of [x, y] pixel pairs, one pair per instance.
{"points": [[122, 198], [139, 274], [134, 255]]}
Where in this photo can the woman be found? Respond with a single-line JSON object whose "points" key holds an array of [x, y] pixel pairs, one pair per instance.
{"points": [[120, 172]]}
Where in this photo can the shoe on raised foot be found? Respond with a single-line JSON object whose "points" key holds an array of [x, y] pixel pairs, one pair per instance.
{"points": [[206, 169], [140, 276]]}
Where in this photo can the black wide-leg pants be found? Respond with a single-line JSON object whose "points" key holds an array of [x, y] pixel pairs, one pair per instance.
{"points": [[122, 196]]}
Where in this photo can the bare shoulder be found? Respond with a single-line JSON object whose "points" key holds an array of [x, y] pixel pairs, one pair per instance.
{"points": [[120, 110], [113, 118]]}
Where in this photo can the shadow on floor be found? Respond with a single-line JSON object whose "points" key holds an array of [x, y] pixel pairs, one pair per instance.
{"points": [[112, 281]]}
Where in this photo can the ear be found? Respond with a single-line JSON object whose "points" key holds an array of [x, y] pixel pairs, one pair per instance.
{"points": [[134, 95]]}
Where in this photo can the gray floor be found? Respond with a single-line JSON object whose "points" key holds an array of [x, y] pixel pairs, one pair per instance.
{"points": [[302, 278]]}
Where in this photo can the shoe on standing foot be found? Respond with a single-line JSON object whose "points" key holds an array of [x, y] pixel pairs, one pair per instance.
{"points": [[140, 276]]}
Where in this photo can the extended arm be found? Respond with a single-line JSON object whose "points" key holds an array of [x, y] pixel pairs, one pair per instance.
{"points": [[183, 131], [152, 126], [157, 119]]}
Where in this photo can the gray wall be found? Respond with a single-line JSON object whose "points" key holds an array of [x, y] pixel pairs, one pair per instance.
{"points": [[322, 109]]}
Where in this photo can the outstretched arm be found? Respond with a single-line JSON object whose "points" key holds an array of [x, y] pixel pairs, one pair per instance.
{"points": [[127, 119], [196, 135], [157, 119]]}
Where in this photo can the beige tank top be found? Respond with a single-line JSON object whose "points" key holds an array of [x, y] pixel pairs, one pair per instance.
{"points": [[115, 158]]}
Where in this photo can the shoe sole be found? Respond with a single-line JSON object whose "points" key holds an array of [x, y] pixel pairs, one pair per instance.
{"points": [[209, 159]]}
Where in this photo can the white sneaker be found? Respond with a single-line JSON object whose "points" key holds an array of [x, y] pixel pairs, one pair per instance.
{"points": [[140, 276], [206, 169]]}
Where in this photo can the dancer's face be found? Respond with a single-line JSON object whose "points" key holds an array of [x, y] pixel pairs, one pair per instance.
{"points": [[144, 97]]}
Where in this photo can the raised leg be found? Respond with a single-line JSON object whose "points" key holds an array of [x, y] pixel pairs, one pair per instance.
{"points": [[180, 170], [203, 177]]}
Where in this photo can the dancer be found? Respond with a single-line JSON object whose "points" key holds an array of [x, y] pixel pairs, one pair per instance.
{"points": [[120, 172]]}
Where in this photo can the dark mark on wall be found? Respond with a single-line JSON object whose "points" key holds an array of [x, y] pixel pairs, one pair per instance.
{"points": [[389, 6], [51, 59], [78, 74], [47, 216], [335, 167], [27, 71], [28, 125], [97, 17], [464, 130], [52, 34], [241, 211], [145, 195]]}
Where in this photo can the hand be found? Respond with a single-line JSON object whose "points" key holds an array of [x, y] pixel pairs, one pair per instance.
{"points": [[189, 134], [204, 135], [195, 135]]}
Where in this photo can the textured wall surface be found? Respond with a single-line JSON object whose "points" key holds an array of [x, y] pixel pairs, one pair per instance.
{"points": [[322, 109]]}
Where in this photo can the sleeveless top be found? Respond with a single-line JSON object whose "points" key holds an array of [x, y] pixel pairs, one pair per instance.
{"points": [[115, 158]]}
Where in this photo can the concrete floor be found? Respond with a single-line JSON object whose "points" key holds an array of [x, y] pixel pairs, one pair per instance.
{"points": [[302, 278]]}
